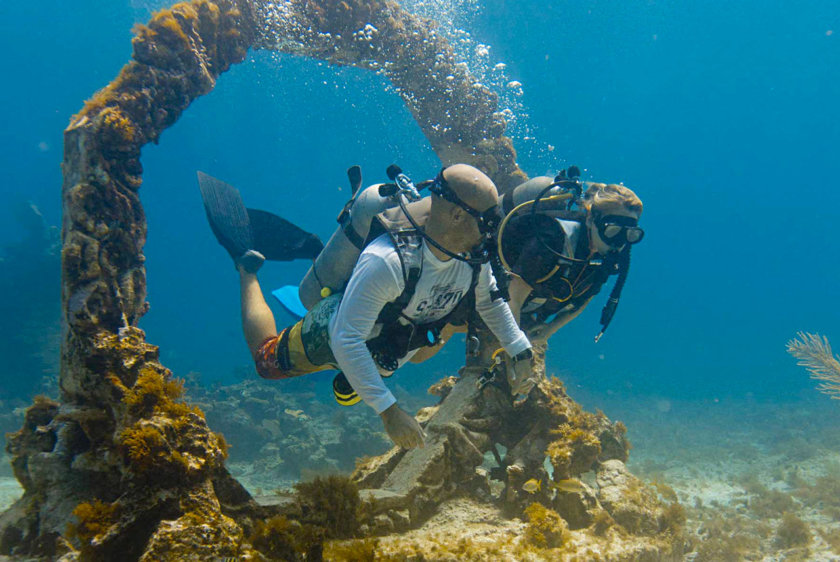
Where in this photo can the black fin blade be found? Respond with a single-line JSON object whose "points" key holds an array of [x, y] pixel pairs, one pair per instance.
{"points": [[227, 215], [354, 174], [393, 171], [279, 240]]}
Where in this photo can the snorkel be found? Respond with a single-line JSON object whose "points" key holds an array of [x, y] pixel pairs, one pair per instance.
{"points": [[569, 182], [609, 309], [620, 233]]}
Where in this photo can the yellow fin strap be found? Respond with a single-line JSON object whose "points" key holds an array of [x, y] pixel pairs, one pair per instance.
{"points": [[347, 400], [343, 392]]}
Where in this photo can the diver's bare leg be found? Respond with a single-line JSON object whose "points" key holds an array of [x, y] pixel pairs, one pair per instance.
{"points": [[257, 320]]}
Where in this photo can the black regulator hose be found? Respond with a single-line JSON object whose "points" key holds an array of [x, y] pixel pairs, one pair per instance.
{"points": [[425, 236], [501, 275]]}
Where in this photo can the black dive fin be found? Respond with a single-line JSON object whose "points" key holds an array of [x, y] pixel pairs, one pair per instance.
{"points": [[227, 215], [279, 240], [354, 174]]}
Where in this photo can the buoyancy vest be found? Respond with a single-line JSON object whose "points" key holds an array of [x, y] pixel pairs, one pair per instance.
{"points": [[563, 276], [399, 335]]}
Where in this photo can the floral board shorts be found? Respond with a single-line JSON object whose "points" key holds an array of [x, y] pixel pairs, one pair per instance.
{"points": [[302, 348]]}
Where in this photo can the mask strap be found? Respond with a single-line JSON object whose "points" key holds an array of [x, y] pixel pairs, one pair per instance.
{"points": [[429, 239]]}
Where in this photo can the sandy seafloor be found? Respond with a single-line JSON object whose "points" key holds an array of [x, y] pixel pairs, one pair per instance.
{"points": [[737, 467]]}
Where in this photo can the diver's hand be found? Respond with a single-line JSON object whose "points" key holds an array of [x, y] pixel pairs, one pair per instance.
{"points": [[402, 428], [521, 375]]}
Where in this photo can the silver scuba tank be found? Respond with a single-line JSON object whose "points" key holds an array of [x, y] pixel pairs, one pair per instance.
{"points": [[333, 266], [527, 191]]}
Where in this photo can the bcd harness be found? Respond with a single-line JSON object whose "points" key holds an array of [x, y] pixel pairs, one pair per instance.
{"points": [[585, 277], [571, 280], [399, 335]]}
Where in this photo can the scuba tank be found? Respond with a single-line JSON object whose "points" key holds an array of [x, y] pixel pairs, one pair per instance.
{"points": [[524, 192], [334, 265], [542, 187]]}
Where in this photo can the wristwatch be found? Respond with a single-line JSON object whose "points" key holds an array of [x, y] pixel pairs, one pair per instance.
{"points": [[523, 355]]}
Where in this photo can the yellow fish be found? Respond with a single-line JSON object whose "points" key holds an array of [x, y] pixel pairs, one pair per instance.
{"points": [[572, 485], [532, 486]]}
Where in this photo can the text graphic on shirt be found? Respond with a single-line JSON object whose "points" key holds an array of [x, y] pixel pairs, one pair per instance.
{"points": [[440, 301]]}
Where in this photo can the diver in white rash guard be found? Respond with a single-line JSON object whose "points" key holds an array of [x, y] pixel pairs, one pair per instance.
{"points": [[403, 287]]}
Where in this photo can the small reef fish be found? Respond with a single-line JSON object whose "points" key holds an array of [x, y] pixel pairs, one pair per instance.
{"points": [[571, 485], [297, 414], [532, 486]]}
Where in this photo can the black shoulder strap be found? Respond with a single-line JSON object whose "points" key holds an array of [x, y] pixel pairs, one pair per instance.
{"points": [[353, 236], [376, 230], [476, 272], [409, 245]]}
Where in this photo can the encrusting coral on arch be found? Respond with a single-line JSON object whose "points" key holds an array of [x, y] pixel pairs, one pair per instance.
{"points": [[121, 467], [120, 458]]}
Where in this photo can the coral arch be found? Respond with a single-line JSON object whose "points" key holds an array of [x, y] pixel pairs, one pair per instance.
{"points": [[139, 470], [139, 473]]}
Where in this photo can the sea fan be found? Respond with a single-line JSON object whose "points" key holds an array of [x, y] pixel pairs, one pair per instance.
{"points": [[814, 353]]}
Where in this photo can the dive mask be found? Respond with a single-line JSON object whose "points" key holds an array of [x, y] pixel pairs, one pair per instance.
{"points": [[618, 230]]}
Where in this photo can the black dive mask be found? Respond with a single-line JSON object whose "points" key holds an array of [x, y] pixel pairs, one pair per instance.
{"points": [[618, 230]]}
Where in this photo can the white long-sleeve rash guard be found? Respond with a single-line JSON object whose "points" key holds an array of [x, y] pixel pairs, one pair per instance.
{"points": [[378, 279]]}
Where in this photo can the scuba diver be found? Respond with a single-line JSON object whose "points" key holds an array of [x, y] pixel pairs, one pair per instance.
{"points": [[562, 239], [381, 289]]}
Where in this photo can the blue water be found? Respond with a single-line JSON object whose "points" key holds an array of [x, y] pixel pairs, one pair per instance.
{"points": [[723, 117]]}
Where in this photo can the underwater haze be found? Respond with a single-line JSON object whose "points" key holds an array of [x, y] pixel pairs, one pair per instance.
{"points": [[722, 116]]}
